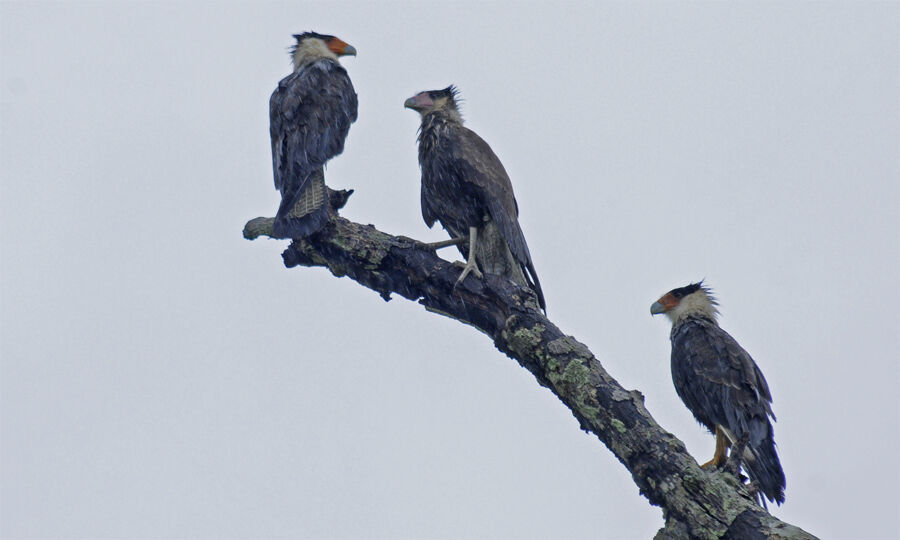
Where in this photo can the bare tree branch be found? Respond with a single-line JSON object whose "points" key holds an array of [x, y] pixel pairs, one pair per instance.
{"points": [[695, 503]]}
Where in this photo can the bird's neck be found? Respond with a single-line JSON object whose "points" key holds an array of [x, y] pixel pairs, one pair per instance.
{"points": [[696, 305], [435, 126], [691, 321], [680, 318], [437, 117]]}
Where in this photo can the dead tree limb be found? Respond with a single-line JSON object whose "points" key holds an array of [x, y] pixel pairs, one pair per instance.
{"points": [[695, 503]]}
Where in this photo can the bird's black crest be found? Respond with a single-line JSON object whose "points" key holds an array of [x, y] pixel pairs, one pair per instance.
{"points": [[451, 92], [681, 292], [307, 35]]}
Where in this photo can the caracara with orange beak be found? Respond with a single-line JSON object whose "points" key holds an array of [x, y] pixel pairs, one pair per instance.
{"points": [[309, 116], [722, 386]]}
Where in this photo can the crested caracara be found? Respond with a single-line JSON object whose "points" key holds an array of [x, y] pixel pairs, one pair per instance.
{"points": [[466, 188], [721, 385], [309, 116]]}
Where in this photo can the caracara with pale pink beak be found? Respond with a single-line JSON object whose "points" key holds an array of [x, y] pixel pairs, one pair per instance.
{"points": [[466, 188], [309, 116]]}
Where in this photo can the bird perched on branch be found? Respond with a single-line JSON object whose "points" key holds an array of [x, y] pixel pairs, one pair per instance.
{"points": [[309, 116], [466, 188], [721, 385]]}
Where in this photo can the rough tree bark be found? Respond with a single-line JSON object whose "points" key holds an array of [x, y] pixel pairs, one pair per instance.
{"points": [[695, 503]]}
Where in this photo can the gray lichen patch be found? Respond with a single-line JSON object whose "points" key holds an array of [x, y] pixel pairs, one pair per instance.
{"points": [[568, 345], [524, 340], [256, 227], [574, 382], [553, 365], [577, 373]]}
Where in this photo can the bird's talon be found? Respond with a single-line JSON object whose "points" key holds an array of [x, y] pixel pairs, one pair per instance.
{"points": [[469, 267]]}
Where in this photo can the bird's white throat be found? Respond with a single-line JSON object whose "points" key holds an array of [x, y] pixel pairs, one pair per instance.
{"points": [[310, 50], [696, 303]]}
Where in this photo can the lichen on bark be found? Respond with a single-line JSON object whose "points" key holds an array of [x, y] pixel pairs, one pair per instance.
{"points": [[695, 503]]}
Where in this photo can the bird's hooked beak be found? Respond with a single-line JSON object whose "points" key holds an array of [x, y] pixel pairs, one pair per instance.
{"points": [[664, 304], [419, 102], [341, 48]]}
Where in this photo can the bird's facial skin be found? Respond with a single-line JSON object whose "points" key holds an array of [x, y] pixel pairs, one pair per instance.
{"points": [[339, 47], [420, 102], [664, 304], [425, 102], [692, 300]]}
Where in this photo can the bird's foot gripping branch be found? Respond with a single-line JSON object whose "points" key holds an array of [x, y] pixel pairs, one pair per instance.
{"points": [[695, 503]]}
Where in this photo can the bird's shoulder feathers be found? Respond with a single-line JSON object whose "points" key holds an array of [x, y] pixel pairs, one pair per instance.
{"points": [[310, 113]]}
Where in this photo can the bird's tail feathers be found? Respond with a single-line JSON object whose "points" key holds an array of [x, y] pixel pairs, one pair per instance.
{"points": [[763, 466], [536, 286], [304, 209], [496, 255]]}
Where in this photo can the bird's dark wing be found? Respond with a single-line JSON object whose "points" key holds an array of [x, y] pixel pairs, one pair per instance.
{"points": [[489, 174], [718, 380], [722, 385], [482, 168], [309, 116], [429, 212]]}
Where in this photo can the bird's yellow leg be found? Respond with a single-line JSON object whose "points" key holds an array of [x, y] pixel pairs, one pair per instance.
{"points": [[721, 450], [470, 261]]}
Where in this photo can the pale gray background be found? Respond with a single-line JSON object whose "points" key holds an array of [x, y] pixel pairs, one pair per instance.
{"points": [[164, 378]]}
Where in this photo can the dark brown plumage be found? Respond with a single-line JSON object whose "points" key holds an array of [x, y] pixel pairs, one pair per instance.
{"points": [[721, 385], [466, 188], [309, 116]]}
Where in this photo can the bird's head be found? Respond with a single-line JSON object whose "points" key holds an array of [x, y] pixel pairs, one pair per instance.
{"points": [[312, 46], [435, 100], [693, 299]]}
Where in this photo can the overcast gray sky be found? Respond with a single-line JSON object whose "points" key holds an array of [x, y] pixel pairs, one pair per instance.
{"points": [[161, 377]]}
